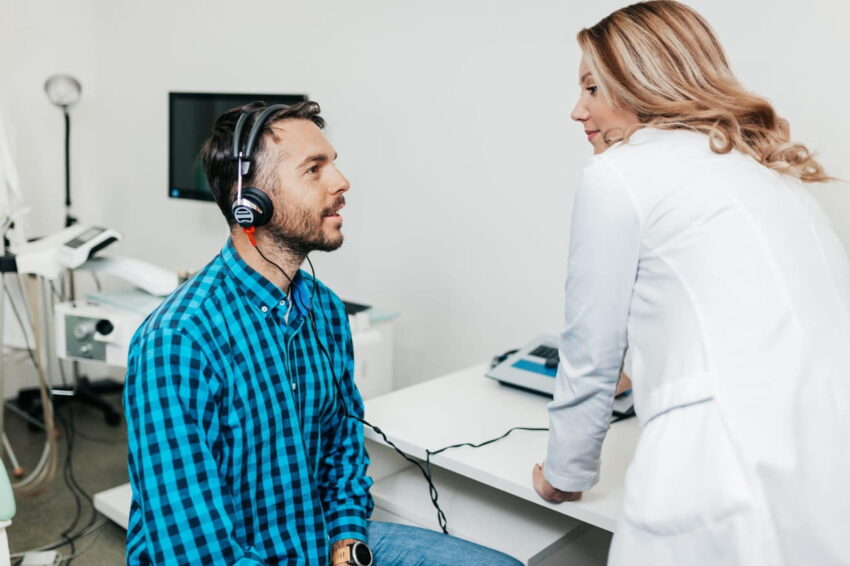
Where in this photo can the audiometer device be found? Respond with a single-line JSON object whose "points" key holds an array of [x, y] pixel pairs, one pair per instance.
{"points": [[534, 368]]}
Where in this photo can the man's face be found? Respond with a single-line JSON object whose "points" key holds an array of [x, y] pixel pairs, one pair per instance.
{"points": [[308, 189]]}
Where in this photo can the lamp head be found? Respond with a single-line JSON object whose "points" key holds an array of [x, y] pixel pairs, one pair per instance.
{"points": [[63, 90]]}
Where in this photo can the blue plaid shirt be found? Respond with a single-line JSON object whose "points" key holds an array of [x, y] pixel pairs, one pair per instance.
{"points": [[239, 449]]}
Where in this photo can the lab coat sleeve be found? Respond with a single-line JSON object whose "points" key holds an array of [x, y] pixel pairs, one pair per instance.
{"points": [[602, 266]]}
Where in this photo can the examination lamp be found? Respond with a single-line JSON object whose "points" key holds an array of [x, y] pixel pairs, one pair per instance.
{"points": [[64, 91]]}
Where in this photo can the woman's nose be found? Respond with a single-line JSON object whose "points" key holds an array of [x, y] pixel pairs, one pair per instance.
{"points": [[579, 113]]}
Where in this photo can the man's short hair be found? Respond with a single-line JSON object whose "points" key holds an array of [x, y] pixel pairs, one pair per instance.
{"points": [[217, 151]]}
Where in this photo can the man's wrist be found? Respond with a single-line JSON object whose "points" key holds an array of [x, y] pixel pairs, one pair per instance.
{"points": [[350, 551], [338, 557], [343, 543]]}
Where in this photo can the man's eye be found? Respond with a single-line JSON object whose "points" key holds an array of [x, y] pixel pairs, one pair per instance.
{"points": [[592, 90], [313, 170]]}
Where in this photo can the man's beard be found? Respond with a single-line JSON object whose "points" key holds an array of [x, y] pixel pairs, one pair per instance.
{"points": [[300, 234]]}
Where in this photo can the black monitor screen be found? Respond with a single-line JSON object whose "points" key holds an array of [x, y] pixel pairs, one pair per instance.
{"points": [[191, 116]]}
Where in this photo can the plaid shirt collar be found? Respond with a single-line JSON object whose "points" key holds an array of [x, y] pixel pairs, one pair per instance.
{"points": [[262, 293]]}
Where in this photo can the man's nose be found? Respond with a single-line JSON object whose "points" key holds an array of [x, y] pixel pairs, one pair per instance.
{"points": [[340, 184]]}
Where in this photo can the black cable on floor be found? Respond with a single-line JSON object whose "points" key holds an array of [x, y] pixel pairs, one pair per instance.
{"points": [[66, 476], [70, 470], [70, 434]]}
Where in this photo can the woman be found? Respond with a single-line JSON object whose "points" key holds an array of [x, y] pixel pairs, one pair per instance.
{"points": [[696, 245]]}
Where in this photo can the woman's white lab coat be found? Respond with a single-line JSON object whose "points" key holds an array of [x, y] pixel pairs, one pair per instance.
{"points": [[731, 291]]}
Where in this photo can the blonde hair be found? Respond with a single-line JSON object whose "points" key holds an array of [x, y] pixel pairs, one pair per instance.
{"points": [[661, 60]]}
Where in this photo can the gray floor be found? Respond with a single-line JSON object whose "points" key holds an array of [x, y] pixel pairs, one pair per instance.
{"points": [[99, 462]]}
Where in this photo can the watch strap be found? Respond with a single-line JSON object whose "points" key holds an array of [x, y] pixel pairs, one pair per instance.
{"points": [[342, 555]]}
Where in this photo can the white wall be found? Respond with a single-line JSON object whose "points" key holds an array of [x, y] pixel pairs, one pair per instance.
{"points": [[451, 120]]}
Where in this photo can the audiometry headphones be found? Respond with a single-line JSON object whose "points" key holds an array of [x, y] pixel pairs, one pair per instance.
{"points": [[252, 207]]}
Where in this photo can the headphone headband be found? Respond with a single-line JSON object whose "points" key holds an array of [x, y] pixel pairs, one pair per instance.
{"points": [[256, 128], [237, 138]]}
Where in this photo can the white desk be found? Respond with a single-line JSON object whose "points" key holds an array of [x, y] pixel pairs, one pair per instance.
{"points": [[495, 480]]}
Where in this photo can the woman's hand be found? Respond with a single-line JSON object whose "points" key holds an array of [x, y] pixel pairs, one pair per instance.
{"points": [[545, 489], [624, 384]]}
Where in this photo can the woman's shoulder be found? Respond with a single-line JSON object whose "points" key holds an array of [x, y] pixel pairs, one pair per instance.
{"points": [[655, 163], [673, 151], [655, 140]]}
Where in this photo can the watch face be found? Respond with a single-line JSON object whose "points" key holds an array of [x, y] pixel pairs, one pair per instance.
{"points": [[362, 554]]}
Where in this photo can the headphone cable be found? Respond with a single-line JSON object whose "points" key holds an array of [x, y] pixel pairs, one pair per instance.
{"points": [[262, 255], [426, 473], [426, 469]]}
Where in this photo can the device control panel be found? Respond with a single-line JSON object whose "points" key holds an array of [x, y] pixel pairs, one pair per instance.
{"points": [[87, 331]]}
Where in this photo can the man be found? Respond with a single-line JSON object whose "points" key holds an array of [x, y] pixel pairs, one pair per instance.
{"points": [[242, 411]]}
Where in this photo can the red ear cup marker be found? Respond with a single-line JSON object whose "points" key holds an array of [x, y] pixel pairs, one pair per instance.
{"points": [[250, 232]]}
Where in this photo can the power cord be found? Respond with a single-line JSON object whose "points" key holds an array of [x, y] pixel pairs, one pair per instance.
{"points": [[67, 475], [71, 479]]}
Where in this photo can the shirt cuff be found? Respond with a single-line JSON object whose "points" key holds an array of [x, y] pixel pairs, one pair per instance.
{"points": [[573, 482], [347, 522]]}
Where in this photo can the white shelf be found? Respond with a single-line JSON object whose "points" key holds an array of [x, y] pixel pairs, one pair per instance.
{"points": [[477, 513], [115, 503]]}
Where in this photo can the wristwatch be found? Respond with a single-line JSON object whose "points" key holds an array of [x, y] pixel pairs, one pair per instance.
{"points": [[356, 553]]}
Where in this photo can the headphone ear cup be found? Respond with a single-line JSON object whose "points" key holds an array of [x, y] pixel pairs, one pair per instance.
{"points": [[253, 209]]}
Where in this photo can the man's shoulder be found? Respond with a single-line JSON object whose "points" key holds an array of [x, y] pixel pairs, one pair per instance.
{"points": [[193, 305]]}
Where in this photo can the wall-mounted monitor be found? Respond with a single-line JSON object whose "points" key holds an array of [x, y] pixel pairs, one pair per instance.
{"points": [[191, 116]]}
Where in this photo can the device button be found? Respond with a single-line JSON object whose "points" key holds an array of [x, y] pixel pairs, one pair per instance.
{"points": [[83, 330], [104, 326]]}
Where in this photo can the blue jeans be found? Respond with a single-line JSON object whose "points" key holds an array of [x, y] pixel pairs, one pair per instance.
{"points": [[400, 545]]}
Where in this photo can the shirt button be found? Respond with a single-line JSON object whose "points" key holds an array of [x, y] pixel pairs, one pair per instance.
{"points": [[294, 386], [283, 302], [264, 308]]}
